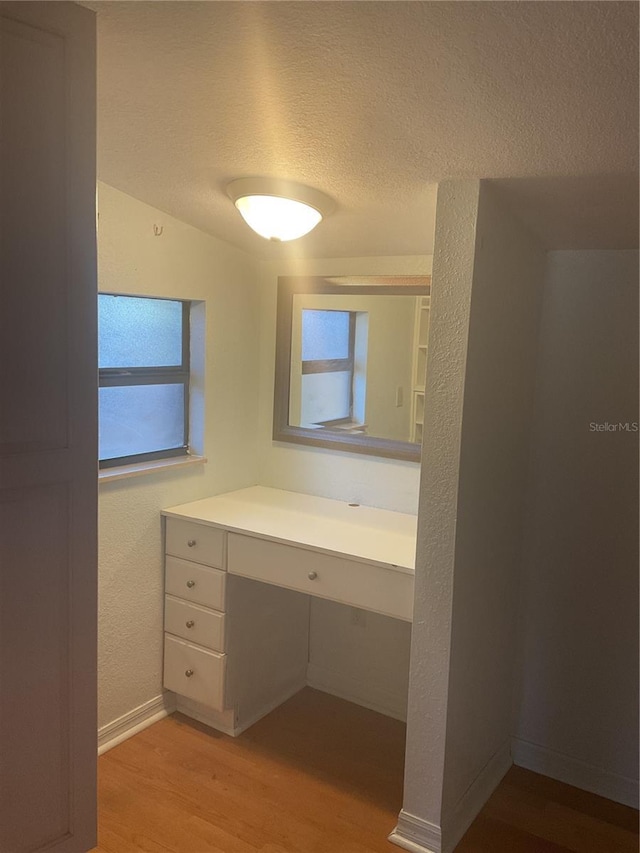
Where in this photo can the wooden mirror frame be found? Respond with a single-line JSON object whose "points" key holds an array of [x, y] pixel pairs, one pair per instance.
{"points": [[288, 287]]}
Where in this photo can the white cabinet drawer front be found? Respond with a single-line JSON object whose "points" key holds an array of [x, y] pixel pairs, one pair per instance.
{"points": [[194, 623], [198, 584], [195, 673], [197, 542], [348, 581]]}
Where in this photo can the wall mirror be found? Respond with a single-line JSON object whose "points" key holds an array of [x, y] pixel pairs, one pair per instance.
{"points": [[350, 363]]}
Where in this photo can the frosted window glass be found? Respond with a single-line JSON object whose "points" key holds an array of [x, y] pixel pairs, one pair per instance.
{"points": [[140, 419], [325, 397], [139, 332], [325, 335]]}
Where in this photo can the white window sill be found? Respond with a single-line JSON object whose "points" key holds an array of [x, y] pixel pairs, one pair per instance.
{"points": [[139, 469]]}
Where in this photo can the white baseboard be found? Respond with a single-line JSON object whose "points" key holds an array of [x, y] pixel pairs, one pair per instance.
{"points": [[344, 686], [135, 721], [572, 771], [458, 820], [415, 834]]}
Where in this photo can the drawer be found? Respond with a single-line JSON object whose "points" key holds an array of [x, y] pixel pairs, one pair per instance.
{"points": [[195, 673], [197, 542], [194, 623], [348, 581], [198, 584]]}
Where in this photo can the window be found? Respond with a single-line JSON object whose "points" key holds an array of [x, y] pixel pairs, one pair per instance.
{"points": [[328, 347], [143, 359]]}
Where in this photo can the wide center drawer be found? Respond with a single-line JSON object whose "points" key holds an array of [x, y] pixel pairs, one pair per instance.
{"points": [[195, 583], [194, 623], [194, 672], [348, 581], [198, 542]]}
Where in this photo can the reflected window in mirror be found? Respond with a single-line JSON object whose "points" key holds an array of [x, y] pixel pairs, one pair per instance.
{"points": [[351, 354], [330, 370]]}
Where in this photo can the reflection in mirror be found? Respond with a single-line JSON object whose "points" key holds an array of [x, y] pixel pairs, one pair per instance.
{"points": [[324, 370], [351, 363]]}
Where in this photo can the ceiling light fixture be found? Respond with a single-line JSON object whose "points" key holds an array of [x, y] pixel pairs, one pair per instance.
{"points": [[279, 210]]}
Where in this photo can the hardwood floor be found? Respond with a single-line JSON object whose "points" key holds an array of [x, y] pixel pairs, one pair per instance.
{"points": [[318, 775], [529, 813]]}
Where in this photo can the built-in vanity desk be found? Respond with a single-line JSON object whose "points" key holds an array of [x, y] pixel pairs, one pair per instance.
{"points": [[234, 648]]}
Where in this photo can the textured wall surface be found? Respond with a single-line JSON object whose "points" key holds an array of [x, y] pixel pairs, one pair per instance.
{"points": [[508, 281], [429, 675], [578, 700], [487, 285], [188, 264]]}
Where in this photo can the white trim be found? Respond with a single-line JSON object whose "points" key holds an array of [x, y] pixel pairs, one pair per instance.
{"points": [[139, 469], [134, 721], [572, 771], [345, 686], [462, 815], [416, 835]]}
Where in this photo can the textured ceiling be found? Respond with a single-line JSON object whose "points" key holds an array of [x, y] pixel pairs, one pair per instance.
{"points": [[374, 102]]}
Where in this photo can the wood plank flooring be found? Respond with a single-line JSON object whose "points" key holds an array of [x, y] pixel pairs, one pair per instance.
{"points": [[318, 775]]}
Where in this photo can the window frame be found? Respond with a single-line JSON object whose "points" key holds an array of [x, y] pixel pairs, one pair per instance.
{"points": [[118, 377], [336, 365]]}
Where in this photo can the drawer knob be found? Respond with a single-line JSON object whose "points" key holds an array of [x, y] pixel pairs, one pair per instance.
{"points": [[188, 673], [190, 623], [191, 543], [312, 576], [191, 584]]}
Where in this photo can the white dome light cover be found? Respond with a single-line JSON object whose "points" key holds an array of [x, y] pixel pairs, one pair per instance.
{"points": [[277, 218], [279, 210]]}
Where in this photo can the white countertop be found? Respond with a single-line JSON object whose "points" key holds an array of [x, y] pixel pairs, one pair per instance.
{"points": [[362, 533]]}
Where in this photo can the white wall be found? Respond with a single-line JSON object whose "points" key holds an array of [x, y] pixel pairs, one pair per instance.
{"points": [[378, 675], [508, 280], [452, 277], [577, 707], [487, 285], [185, 263]]}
